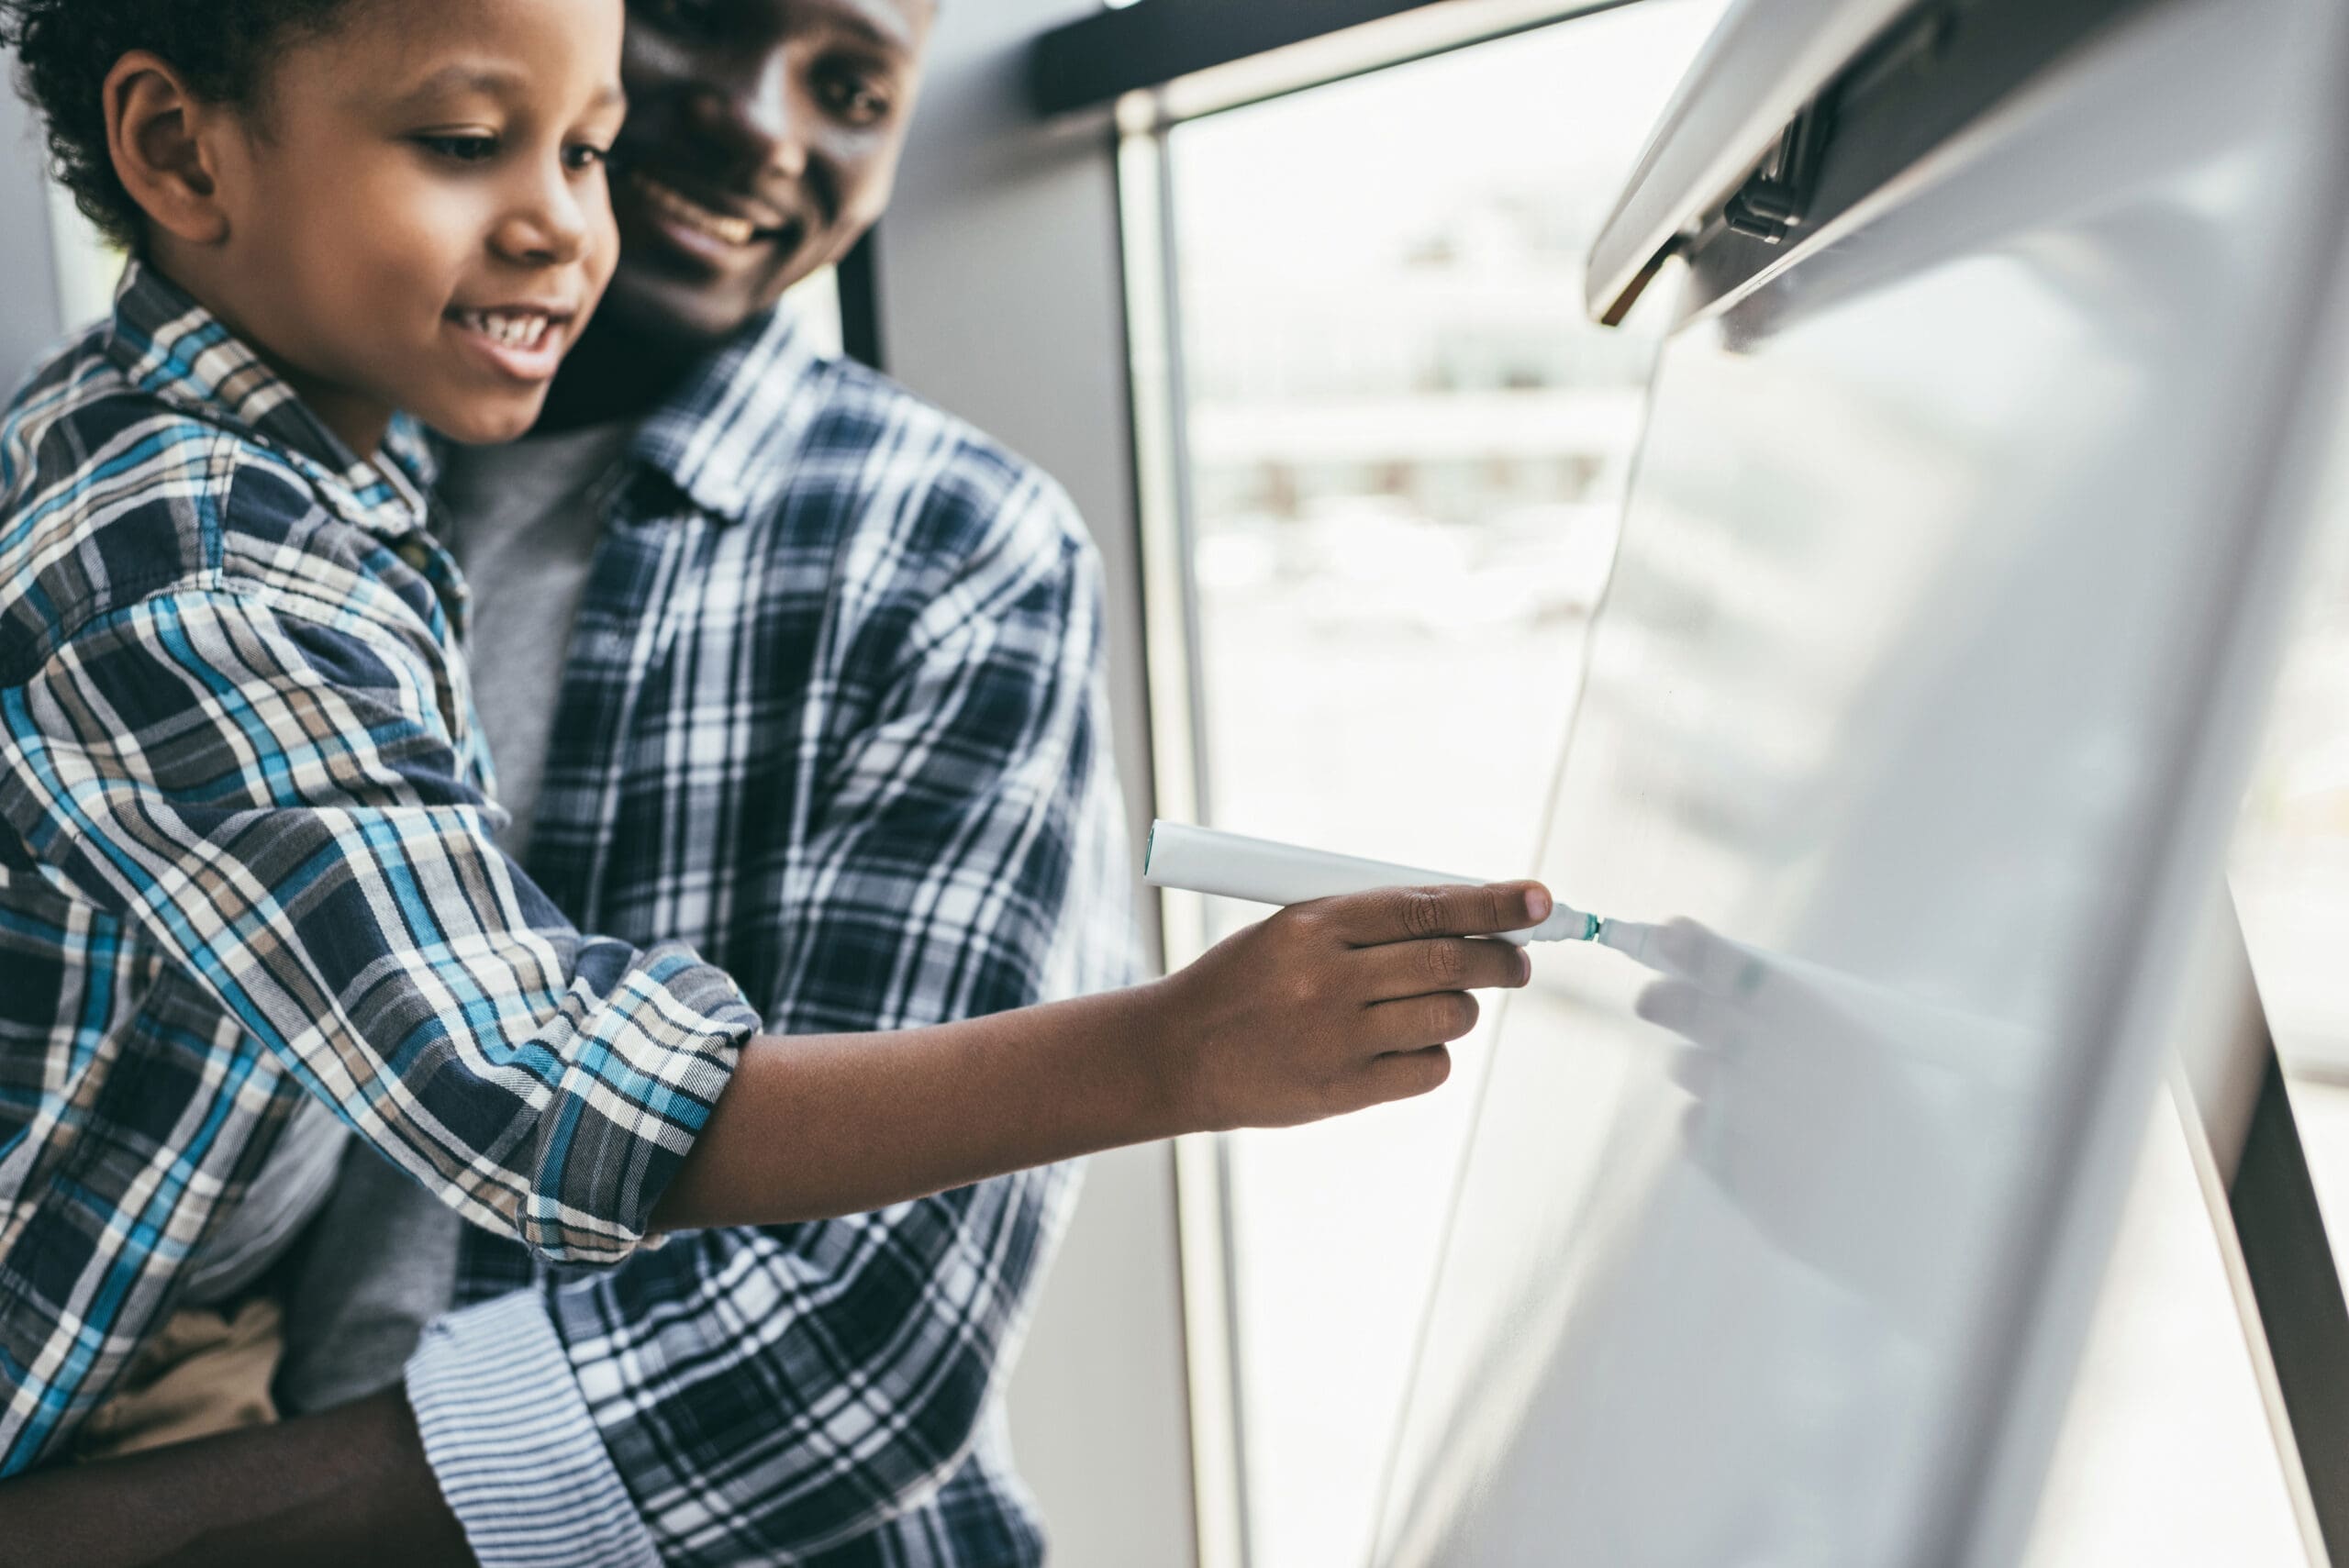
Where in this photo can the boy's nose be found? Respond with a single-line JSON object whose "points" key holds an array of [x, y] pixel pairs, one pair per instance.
{"points": [[549, 233]]}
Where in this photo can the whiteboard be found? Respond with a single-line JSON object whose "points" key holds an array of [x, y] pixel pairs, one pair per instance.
{"points": [[1947, 604]]}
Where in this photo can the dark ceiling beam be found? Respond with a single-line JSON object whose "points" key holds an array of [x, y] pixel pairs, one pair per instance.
{"points": [[1094, 61]]}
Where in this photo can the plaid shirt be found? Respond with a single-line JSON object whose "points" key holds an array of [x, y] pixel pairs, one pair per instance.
{"points": [[833, 713], [246, 853]]}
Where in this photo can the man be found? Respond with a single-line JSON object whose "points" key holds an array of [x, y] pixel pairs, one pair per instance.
{"points": [[778, 662]]}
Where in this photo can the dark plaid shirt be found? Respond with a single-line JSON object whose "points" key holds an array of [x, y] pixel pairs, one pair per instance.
{"points": [[833, 716]]}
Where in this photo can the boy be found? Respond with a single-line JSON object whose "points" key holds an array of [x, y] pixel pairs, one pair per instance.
{"points": [[245, 835]]}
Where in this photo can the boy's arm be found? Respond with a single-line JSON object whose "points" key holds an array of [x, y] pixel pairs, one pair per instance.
{"points": [[272, 794], [744, 1393], [760, 1393]]}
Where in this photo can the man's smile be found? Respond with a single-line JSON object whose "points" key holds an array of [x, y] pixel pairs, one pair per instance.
{"points": [[708, 225]]}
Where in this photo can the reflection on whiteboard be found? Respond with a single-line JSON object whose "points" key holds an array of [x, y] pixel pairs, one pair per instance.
{"points": [[1935, 541]]}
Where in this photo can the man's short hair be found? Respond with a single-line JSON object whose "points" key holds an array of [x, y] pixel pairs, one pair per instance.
{"points": [[223, 48]]}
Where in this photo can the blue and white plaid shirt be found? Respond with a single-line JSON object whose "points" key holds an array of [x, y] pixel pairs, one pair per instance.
{"points": [[246, 853], [833, 715]]}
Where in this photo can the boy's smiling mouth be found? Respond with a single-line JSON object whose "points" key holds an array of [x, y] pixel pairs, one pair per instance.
{"points": [[523, 341]]}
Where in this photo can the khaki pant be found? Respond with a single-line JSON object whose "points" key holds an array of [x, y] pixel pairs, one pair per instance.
{"points": [[203, 1373]]}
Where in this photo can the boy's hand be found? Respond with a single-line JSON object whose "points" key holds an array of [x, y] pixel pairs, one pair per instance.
{"points": [[1330, 1006], [1326, 1007]]}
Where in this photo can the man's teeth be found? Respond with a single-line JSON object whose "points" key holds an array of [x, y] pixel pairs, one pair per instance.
{"points": [[721, 226], [526, 329]]}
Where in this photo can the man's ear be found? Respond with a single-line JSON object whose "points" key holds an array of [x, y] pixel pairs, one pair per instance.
{"points": [[155, 132]]}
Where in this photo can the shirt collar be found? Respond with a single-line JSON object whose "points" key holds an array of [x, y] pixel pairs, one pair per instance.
{"points": [[173, 347], [721, 439]]}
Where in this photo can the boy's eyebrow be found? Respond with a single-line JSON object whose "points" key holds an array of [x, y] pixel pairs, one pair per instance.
{"points": [[492, 82]]}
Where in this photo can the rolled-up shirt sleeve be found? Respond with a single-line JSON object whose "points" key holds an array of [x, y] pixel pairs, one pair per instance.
{"points": [[271, 790]]}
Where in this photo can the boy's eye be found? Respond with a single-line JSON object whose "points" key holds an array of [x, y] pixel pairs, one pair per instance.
{"points": [[459, 149], [584, 157]]}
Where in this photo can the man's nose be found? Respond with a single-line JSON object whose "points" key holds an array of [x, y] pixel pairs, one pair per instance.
{"points": [[761, 118]]}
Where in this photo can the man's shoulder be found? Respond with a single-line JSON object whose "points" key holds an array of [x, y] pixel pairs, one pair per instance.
{"points": [[864, 408], [876, 458], [110, 494]]}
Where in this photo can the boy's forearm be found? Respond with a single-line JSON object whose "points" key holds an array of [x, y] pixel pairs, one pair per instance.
{"points": [[820, 1126]]}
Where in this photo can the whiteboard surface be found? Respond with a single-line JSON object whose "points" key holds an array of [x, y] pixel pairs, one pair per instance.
{"points": [[1915, 713]]}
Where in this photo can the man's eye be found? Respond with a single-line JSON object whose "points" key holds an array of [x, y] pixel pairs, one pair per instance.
{"points": [[459, 149], [853, 99]]}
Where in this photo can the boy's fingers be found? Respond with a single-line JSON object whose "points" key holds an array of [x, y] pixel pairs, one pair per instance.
{"points": [[1417, 1022], [1417, 914], [1409, 1073], [1447, 963]]}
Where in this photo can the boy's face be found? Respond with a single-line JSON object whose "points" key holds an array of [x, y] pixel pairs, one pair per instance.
{"points": [[761, 143], [417, 211]]}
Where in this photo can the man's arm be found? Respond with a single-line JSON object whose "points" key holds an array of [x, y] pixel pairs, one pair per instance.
{"points": [[350, 1488]]}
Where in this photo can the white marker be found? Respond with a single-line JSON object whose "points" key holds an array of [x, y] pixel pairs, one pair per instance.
{"points": [[1200, 860]]}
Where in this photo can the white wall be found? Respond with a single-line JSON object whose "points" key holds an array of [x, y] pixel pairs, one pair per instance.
{"points": [[29, 311]]}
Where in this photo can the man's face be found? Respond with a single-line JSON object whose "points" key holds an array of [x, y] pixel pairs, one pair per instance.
{"points": [[761, 140]]}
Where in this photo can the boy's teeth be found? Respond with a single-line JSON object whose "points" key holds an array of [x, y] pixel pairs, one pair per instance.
{"points": [[718, 226], [512, 331]]}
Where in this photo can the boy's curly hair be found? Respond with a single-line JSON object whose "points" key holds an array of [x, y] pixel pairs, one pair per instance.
{"points": [[65, 48]]}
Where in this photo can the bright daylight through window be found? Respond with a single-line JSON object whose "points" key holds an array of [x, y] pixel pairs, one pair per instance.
{"points": [[1408, 451]]}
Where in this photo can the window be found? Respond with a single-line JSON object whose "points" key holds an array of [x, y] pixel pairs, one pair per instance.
{"points": [[1401, 451]]}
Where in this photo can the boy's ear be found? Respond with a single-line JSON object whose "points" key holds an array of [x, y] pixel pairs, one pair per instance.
{"points": [[155, 132]]}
